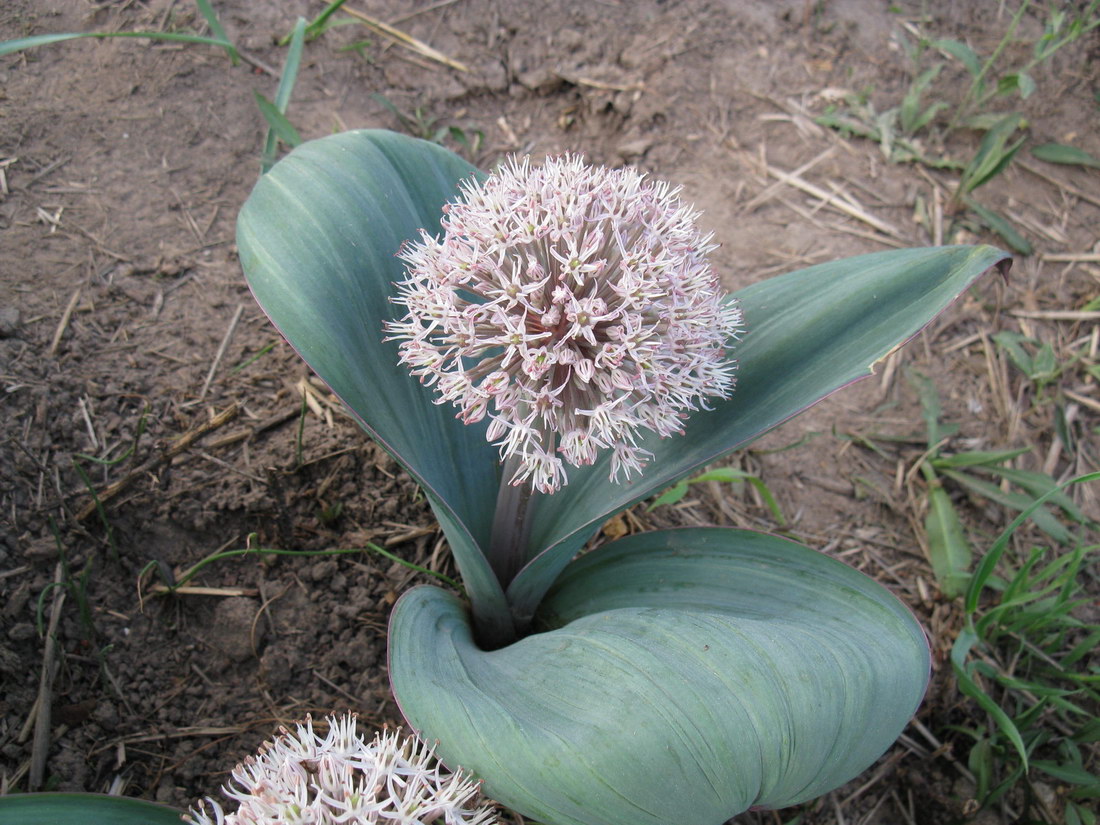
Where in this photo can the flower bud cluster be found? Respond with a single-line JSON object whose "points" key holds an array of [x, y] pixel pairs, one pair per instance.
{"points": [[340, 779], [574, 307]]}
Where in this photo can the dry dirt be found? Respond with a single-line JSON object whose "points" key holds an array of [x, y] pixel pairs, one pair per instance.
{"points": [[125, 323]]}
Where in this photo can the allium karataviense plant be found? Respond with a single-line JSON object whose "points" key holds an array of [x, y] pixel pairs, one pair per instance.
{"points": [[343, 779], [674, 676]]}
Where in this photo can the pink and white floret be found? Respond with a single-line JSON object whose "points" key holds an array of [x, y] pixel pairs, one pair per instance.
{"points": [[342, 778], [575, 307]]}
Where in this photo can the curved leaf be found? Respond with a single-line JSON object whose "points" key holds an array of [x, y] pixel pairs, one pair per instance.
{"points": [[682, 676], [808, 333], [83, 809], [318, 238]]}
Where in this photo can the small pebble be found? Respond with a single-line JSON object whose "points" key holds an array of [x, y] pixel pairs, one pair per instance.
{"points": [[21, 632], [10, 321]]}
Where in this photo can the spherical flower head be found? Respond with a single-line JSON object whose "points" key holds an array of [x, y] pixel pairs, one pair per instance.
{"points": [[573, 306], [303, 778]]}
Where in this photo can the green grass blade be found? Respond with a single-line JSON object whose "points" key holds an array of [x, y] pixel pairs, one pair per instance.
{"points": [[672, 495], [11, 46], [731, 475], [727, 475], [1000, 225], [216, 27], [277, 121], [930, 408], [1038, 484], [912, 118], [988, 564], [253, 359], [407, 123], [99, 508], [1089, 732], [1043, 518], [1083, 648], [291, 66], [317, 25], [968, 686], [1068, 155], [275, 113], [948, 550], [1012, 343], [993, 155], [272, 551], [977, 458], [1072, 774]]}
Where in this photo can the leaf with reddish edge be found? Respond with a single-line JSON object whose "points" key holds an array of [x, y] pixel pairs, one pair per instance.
{"points": [[318, 239], [808, 334], [677, 676]]}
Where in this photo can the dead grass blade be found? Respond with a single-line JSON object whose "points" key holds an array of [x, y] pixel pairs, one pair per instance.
{"points": [[408, 41], [41, 742], [180, 445], [63, 324], [221, 350], [835, 201]]}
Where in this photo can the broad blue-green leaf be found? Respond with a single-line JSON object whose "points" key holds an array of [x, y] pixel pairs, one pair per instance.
{"points": [[318, 238], [681, 676], [83, 809], [808, 333]]}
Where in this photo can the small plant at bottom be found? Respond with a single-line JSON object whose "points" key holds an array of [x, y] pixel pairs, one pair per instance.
{"points": [[342, 778], [299, 778]]}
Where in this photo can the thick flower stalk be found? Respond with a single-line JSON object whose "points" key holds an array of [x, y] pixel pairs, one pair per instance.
{"points": [[341, 779], [574, 306]]}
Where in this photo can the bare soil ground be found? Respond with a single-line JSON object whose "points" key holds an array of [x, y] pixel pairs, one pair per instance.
{"points": [[126, 326]]}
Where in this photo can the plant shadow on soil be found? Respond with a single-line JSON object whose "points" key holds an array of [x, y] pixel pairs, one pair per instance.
{"points": [[125, 323]]}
